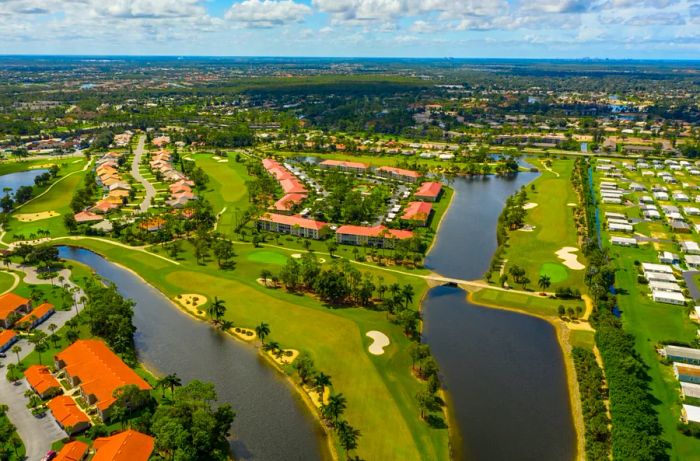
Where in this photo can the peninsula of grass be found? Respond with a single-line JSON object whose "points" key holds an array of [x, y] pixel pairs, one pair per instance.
{"points": [[380, 390], [7, 280]]}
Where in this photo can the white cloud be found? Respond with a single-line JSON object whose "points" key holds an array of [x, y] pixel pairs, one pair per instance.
{"points": [[267, 13], [129, 9]]}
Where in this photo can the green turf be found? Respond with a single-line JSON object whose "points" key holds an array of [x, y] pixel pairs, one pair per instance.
{"points": [[556, 272], [267, 257], [6, 281]]}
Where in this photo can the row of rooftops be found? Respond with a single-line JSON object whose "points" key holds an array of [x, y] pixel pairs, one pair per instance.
{"points": [[362, 231], [180, 187], [129, 445], [118, 190]]}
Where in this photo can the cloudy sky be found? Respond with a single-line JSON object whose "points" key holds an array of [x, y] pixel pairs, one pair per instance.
{"points": [[414, 28]]}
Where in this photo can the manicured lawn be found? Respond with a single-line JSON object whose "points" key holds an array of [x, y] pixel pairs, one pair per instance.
{"points": [[380, 390], [554, 229], [537, 305], [6, 281], [267, 257], [582, 338]]}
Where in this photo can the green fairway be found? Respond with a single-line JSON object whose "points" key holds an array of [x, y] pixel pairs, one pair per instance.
{"points": [[6, 281], [556, 272], [267, 257], [380, 389]]}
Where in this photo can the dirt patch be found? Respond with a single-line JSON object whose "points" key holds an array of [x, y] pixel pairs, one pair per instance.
{"points": [[30, 217], [570, 259]]}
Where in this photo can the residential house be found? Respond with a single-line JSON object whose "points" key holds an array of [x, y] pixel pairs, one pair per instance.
{"points": [[294, 225], [668, 297], [355, 167], [41, 380], [73, 451], [690, 247], [36, 316], [624, 241], [7, 339], [12, 308], [682, 354], [429, 192], [376, 236], [288, 202], [687, 373], [129, 445], [68, 414], [418, 213], [97, 371], [87, 216], [398, 173]]}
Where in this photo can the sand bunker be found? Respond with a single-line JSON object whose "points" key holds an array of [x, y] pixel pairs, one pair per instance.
{"points": [[313, 395], [380, 342], [225, 160], [527, 228], [288, 356], [29, 217], [296, 256], [192, 302], [42, 166], [572, 204], [216, 157], [246, 334], [569, 259], [529, 206]]}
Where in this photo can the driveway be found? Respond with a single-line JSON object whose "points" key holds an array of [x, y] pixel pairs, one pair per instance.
{"points": [[37, 434], [150, 190]]}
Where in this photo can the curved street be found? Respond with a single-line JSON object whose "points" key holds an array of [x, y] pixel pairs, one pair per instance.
{"points": [[150, 190]]}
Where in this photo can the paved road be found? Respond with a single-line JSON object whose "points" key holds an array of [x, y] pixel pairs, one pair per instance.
{"points": [[37, 434], [150, 190], [690, 283]]}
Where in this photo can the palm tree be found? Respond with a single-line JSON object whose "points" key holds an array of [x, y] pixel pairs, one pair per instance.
{"points": [[217, 309], [265, 274], [335, 407], [39, 341], [408, 293], [321, 381], [544, 282], [53, 327], [172, 381], [226, 325], [16, 350], [394, 288], [262, 331], [348, 436]]}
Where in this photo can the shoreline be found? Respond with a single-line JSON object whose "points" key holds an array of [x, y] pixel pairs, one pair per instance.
{"points": [[562, 335], [442, 220], [332, 453]]}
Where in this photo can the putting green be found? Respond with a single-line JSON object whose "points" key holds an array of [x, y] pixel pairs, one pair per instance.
{"points": [[556, 272], [267, 257]]}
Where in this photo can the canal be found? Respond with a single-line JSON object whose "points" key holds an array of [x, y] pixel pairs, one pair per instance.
{"points": [[271, 422], [504, 371]]}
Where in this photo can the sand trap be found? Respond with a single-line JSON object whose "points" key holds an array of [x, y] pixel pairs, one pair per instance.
{"points": [[527, 228], [43, 165], [192, 302], [285, 359], [268, 284], [322, 260], [296, 256], [225, 160], [246, 334], [380, 342], [216, 157], [530, 206], [29, 217], [313, 395], [569, 259], [572, 204]]}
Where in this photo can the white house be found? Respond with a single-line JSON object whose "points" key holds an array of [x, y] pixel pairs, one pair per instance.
{"points": [[666, 257], [668, 297], [624, 241], [693, 262], [619, 227], [665, 286], [690, 247]]}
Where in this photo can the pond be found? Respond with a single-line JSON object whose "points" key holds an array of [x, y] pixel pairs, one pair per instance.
{"points": [[9, 183], [271, 422]]}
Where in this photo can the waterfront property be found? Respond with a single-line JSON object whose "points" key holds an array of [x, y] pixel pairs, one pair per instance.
{"points": [[68, 414], [418, 213], [429, 192], [294, 225], [129, 445], [12, 308], [97, 372], [355, 167], [376, 236], [40, 379], [399, 174]]}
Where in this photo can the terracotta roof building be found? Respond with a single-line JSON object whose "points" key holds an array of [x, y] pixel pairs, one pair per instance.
{"points": [[376, 236], [418, 213], [42, 381], [125, 446], [68, 415], [295, 225], [356, 167], [91, 365], [87, 216], [429, 191], [73, 451], [286, 203], [12, 305], [7, 339], [398, 173], [36, 316]]}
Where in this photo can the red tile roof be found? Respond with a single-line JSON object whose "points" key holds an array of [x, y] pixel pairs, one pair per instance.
{"points": [[400, 171], [41, 379], [293, 221], [417, 211], [100, 370], [429, 189], [288, 201], [292, 186], [86, 216], [10, 302], [339, 163], [126, 446], [6, 336], [376, 231], [72, 451], [37, 313], [67, 412]]}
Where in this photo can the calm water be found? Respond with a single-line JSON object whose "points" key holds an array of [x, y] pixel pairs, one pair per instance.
{"points": [[504, 371], [271, 422], [14, 181]]}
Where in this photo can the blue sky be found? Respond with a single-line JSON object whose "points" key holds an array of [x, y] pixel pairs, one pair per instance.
{"points": [[647, 29]]}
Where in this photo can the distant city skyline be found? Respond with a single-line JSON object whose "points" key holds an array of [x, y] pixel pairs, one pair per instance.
{"points": [[618, 29]]}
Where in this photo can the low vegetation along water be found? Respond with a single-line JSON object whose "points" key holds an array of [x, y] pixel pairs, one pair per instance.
{"points": [[504, 371], [271, 423]]}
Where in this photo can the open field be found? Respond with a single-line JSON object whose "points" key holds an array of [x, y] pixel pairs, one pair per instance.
{"points": [[554, 228], [336, 340]]}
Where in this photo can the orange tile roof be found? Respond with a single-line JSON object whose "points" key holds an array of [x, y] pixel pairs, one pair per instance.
{"points": [[376, 231], [72, 451], [6, 336], [100, 370], [429, 189], [125, 446], [41, 379], [292, 186], [399, 171], [10, 302], [339, 163], [689, 370], [417, 211], [288, 201], [67, 412], [293, 221], [38, 313]]}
